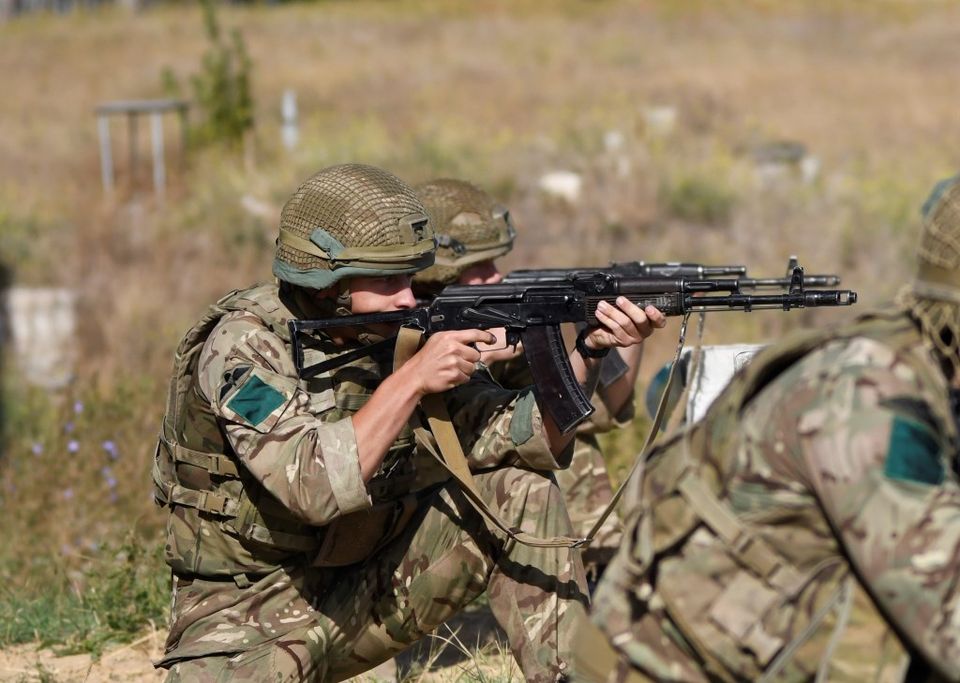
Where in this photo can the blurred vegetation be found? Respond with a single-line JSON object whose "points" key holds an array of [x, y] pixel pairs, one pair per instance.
{"points": [[124, 589], [500, 93], [221, 90], [698, 197]]}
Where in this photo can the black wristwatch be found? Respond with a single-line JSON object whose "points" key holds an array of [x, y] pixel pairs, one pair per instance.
{"points": [[585, 351]]}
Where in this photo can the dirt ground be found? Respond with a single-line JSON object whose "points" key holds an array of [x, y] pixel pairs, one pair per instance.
{"points": [[126, 663], [472, 644]]}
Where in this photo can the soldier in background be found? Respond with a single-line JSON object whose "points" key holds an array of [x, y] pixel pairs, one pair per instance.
{"points": [[310, 534], [824, 476], [472, 232]]}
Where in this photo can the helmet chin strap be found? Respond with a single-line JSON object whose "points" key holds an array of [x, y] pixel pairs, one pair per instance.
{"points": [[344, 304]]}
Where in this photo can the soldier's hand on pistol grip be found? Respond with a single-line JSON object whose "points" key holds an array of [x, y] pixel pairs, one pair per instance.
{"points": [[448, 359]]}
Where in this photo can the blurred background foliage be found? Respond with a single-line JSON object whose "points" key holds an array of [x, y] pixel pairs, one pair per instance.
{"points": [[672, 117]]}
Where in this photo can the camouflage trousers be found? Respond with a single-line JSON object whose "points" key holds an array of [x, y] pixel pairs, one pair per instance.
{"points": [[587, 491], [310, 624]]}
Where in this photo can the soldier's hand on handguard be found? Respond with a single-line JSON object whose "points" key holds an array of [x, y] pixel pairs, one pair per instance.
{"points": [[448, 359], [625, 324]]}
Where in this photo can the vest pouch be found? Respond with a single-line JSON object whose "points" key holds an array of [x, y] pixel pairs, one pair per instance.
{"points": [[263, 521], [666, 518], [356, 537], [164, 473], [721, 608]]}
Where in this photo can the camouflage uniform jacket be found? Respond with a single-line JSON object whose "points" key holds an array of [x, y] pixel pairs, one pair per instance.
{"points": [[826, 467], [256, 464]]}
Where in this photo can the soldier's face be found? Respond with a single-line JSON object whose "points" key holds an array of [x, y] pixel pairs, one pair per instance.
{"points": [[482, 273], [381, 294]]}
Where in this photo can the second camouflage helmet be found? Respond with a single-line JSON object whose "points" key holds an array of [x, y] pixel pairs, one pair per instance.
{"points": [[933, 297], [470, 227], [351, 220]]}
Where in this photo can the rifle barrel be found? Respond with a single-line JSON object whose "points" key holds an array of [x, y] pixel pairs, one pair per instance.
{"points": [[822, 280]]}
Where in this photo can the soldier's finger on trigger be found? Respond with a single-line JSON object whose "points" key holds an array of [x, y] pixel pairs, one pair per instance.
{"points": [[470, 353], [474, 336]]}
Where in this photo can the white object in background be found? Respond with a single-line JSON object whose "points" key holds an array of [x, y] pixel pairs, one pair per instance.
{"points": [[290, 131], [42, 329], [660, 121], [717, 366], [565, 185]]}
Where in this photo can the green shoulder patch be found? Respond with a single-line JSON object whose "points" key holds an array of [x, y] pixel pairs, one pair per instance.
{"points": [[255, 400], [913, 454], [521, 424]]}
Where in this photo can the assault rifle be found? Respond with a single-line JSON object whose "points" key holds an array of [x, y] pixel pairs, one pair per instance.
{"points": [[693, 271], [533, 313]]}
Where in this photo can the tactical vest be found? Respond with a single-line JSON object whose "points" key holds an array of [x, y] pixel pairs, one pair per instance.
{"points": [[747, 621], [223, 522]]}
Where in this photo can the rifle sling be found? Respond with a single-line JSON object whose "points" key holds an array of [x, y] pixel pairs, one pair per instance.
{"points": [[449, 453], [346, 357], [637, 468]]}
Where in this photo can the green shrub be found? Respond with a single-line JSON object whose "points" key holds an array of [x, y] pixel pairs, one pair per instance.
{"points": [[221, 89], [697, 197]]}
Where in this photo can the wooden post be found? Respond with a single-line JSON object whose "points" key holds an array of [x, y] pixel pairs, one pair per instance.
{"points": [[182, 112], [132, 142], [106, 154], [156, 138]]}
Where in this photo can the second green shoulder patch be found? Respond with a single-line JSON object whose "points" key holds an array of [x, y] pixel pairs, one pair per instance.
{"points": [[913, 454], [521, 424]]}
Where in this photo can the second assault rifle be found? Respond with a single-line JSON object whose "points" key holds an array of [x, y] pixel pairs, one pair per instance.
{"points": [[533, 313], [693, 271]]}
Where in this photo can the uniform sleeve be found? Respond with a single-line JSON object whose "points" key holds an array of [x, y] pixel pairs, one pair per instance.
{"points": [[311, 467], [498, 425], [876, 457], [602, 420]]}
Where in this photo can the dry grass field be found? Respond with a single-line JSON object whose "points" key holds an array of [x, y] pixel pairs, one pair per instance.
{"points": [[501, 92]]}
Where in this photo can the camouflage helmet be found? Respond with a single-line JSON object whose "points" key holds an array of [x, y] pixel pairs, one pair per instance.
{"points": [[933, 296], [351, 220], [470, 227]]}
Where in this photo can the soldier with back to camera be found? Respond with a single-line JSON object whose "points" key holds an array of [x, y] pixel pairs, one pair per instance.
{"points": [[309, 534], [825, 472]]}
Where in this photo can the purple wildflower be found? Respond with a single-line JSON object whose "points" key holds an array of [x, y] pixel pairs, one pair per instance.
{"points": [[78, 407], [68, 494], [73, 445], [108, 477], [36, 448], [69, 427], [111, 448]]}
